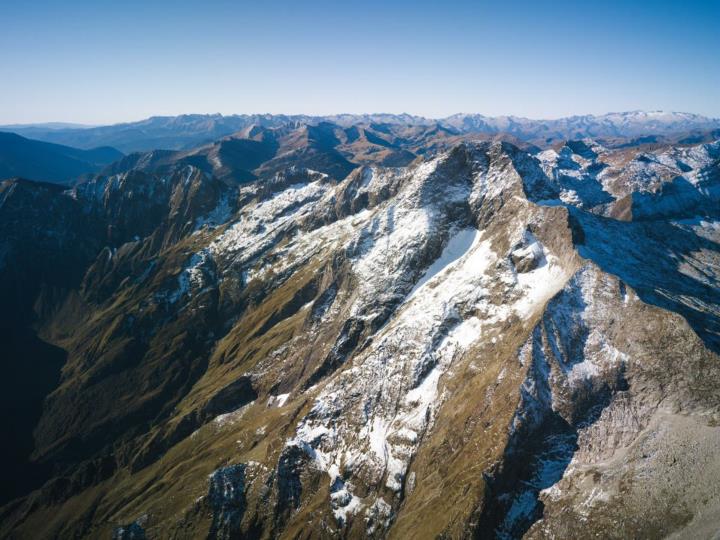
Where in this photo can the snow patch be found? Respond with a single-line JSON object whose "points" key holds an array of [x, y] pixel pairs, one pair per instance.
{"points": [[539, 285], [278, 401], [458, 245]]}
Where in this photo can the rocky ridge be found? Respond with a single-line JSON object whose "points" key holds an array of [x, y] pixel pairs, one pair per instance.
{"points": [[487, 343]]}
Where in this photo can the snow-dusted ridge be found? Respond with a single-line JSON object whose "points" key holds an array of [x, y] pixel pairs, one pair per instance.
{"points": [[487, 341], [443, 257]]}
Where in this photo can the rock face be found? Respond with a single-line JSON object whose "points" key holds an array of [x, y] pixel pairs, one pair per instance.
{"points": [[485, 344]]}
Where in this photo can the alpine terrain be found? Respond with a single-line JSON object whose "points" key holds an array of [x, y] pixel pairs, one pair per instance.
{"points": [[363, 327]]}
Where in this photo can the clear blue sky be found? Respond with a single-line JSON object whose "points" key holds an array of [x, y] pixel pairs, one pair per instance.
{"points": [[101, 61]]}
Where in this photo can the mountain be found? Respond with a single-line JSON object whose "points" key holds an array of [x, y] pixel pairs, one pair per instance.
{"points": [[624, 124], [160, 132], [44, 126], [488, 341], [49, 162], [191, 130], [260, 152]]}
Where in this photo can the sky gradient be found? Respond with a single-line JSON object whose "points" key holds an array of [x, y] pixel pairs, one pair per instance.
{"points": [[100, 61]]}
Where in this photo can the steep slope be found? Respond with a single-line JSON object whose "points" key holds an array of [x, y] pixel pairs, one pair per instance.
{"points": [[469, 346], [51, 237], [35, 262], [47, 162]]}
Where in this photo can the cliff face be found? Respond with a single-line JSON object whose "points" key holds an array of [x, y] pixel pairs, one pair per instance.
{"points": [[484, 344]]}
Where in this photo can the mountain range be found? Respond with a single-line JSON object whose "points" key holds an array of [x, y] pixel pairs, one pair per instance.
{"points": [[187, 131], [367, 326], [247, 147], [50, 162]]}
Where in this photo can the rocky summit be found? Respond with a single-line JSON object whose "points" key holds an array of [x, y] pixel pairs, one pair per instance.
{"points": [[479, 342]]}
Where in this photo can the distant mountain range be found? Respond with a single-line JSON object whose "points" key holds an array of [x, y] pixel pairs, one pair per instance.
{"points": [[260, 151], [190, 130], [49, 162], [243, 148]]}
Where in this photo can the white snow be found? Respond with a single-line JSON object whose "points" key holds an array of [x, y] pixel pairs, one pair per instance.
{"points": [[377, 437], [191, 277], [467, 331], [458, 245], [599, 357], [352, 505], [230, 418], [278, 401], [539, 285]]}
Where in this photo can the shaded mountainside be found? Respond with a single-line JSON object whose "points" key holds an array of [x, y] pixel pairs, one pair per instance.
{"points": [[484, 343], [47, 162]]}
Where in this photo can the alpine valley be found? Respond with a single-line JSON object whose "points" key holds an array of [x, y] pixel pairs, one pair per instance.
{"points": [[362, 326]]}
